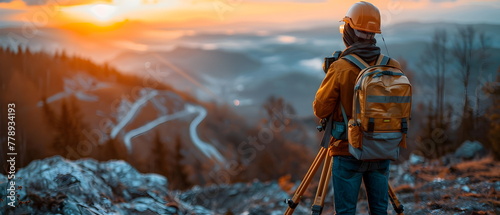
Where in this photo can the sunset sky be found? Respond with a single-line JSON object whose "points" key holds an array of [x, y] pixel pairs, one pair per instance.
{"points": [[238, 14], [99, 28]]}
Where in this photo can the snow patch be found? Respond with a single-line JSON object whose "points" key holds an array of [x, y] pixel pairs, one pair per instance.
{"points": [[79, 86]]}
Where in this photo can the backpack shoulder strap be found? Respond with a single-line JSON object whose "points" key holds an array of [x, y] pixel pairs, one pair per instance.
{"points": [[360, 63], [382, 60], [344, 115]]}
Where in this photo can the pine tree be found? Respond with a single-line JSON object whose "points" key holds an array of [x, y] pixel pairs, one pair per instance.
{"points": [[68, 125], [179, 177], [158, 156]]}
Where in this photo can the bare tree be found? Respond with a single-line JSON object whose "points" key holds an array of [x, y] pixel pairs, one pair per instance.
{"points": [[436, 57], [470, 49], [434, 60], [483, 55], [440, 38], [463, 53]]}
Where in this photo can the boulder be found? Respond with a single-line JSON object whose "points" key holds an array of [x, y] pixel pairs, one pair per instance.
{"points": [[59, 186], [469, 150], [416, 159]]}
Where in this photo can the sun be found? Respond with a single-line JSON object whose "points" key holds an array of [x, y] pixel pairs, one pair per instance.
{"points": [[106, 13], [103, 12], [96, 13]]}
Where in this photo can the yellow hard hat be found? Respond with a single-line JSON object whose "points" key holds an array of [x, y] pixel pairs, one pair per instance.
{"points": [[364, 16]]}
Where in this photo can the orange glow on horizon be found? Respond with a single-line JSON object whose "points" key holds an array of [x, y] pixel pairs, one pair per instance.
{"points": [[213, 15]]}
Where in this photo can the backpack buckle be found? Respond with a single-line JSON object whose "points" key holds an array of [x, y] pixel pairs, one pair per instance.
{"points": [[371, 124], [404, 126]]}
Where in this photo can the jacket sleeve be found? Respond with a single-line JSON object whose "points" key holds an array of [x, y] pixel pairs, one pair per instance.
{"points": [[327, 94]]}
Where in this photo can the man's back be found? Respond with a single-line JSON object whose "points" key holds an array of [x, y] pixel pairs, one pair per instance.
{"points": [[339, 83]]}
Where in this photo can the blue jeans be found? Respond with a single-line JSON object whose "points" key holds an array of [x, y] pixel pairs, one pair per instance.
{"points": [[347, 175]]}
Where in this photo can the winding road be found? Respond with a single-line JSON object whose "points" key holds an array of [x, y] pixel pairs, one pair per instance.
{"points": [[206, 148]]}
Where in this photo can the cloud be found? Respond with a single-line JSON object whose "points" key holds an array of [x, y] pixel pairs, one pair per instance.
{"points": [[60, 2], [5, 14], [434, 0], [35, 2], [78, 2], [30, 2], [267, 1], [290, 1]]}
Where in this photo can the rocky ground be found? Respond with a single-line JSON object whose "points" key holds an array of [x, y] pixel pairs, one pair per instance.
{"points": [[460, 187], [59, 186]]}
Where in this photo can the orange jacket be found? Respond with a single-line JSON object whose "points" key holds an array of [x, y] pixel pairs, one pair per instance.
{"points": [[338, 85]]}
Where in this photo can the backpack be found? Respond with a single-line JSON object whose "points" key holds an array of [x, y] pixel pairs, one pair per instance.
{"points": [[381, 110]]}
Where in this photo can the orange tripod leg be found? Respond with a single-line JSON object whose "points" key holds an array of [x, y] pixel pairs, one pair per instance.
{"points": [[292, 203], [321, 193], [396, 204]]}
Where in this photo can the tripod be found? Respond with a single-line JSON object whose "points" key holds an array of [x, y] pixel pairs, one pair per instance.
{"points": [[326, 173]]}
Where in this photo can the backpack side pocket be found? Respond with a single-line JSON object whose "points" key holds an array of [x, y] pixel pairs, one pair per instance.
{"points": [[355, 134]]}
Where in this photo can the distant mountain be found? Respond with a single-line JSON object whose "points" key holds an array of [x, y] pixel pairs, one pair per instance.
{"points": [[100, 46], [51, 40], [412, 31], [197, 62], [237, 62], [297, 88], [204, 73]]}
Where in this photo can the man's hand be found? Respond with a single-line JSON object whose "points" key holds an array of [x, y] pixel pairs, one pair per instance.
{"points": [[322, 125]]}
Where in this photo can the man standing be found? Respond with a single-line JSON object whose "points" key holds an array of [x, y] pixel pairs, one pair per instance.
{"points": [[361, 23]]}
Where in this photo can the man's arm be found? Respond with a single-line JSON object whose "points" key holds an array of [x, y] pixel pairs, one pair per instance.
{"points": [[327, 94]]}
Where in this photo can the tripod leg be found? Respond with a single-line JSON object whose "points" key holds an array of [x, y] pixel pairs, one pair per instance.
{"points": [[396, 204], [321, 193], [292, 203]]}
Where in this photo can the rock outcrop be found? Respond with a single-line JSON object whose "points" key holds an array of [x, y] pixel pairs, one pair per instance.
{"points": [[59, 186]]}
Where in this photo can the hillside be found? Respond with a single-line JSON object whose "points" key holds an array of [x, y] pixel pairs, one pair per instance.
{"points": [[76, 108]]}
